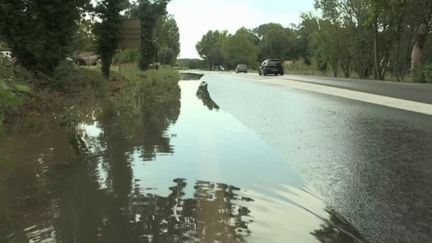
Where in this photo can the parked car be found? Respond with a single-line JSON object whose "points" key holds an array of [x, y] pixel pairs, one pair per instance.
{"points": [[241, 68], [6, 54], [218, 68], [271, 66], [86, 58]]}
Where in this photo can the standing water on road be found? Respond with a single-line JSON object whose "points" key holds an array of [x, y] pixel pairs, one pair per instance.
{"points": [[173, 169]]}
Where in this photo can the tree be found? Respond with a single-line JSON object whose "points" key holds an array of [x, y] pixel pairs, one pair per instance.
{"points": [[263, 29], [275, 42], [107, 31], [396, 32], [168, 40], [84, 39], [305, 33], [40, 32], [240, 48], [149, 12], [423, 23], [211, 47]]}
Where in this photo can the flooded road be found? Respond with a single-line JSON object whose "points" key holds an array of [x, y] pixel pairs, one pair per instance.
{"points": [[371, 163], [173, 169]]}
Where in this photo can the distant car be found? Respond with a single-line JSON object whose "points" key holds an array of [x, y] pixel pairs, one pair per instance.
{"points": [[241, 68], [271, 66]]}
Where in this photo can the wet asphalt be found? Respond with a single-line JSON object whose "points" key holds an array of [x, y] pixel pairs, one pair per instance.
{"points": [[371, 164], [420, 92]]}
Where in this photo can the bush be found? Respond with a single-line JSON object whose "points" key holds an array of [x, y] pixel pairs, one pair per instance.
{"points": [[39, 32], [144, 95], [63, 76], [428, 73], [418, 75], [69, 78], [12, 91], [126, 56]]}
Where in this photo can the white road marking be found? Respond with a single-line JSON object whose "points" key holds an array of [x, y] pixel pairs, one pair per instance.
{"points": [[401, 104]]}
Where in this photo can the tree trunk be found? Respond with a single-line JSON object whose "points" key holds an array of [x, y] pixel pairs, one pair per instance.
{"points": [[405, 69], [417, 52], [397, 68], [376, 52], [335, 66], [384, 67], [417, 56]]}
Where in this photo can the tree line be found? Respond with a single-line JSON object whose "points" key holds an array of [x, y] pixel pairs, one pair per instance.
{"points": [[41, 34], [380, 39]]}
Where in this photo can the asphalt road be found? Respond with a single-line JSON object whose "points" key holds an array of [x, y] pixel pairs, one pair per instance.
{"points": [[370, 163], [408, 91]]}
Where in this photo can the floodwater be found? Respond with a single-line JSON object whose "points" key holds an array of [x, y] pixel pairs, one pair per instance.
{"points": [[178, 169]]}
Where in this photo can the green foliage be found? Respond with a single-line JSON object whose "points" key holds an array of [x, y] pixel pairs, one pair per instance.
{"points": [[211, 47], [363, 38], [263, 29], [8, 98], [40, 32], [84, 39], [191, 63], [143, 96], [69, 78], [275, 44], [168, 40], [126, 56], [12, 91], [419, 74], [331, 47], [240, 49], [107, 31], [150, 13], [161, 78], [63, 76], [428, 73], [305, 33]]}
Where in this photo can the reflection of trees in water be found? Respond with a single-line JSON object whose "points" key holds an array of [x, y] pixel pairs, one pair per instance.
{"points": [[140, 114], [210, 216], [135, 120], [204, 95], [218, 218], [79, 211], [337, 230], [66, 193], [191, 76]]}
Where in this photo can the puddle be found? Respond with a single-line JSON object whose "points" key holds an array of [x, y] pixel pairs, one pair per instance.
{"points": [[180, 169]]}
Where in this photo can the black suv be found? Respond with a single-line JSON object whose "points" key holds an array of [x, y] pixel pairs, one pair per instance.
{"points": [[271, 66]]}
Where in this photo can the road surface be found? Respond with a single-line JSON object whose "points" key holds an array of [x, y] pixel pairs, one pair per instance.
{"points": [[408, 91], [371, 163]]}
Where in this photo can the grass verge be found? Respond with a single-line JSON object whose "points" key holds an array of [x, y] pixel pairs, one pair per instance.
{"points": [[26, 95]]}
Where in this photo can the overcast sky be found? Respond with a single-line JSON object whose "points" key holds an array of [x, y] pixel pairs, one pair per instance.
{"points": [[196, 17]]}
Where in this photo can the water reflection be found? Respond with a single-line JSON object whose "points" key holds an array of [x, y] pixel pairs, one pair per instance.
{"points": [[138, 117], [337, 230], [91, 180], [211, 215], [191, 76], [204, 95]]}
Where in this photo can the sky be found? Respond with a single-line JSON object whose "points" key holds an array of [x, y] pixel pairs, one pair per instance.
{"points": [[197, 17]]}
